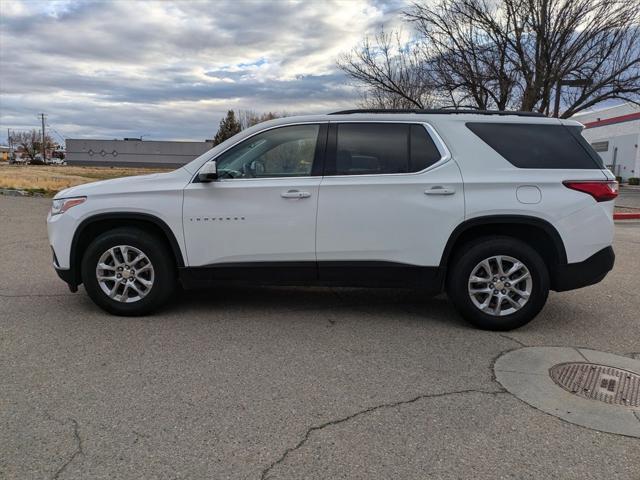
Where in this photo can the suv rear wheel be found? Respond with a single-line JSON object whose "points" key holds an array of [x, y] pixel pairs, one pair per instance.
{"points": [[128, 271], [499, 283]]}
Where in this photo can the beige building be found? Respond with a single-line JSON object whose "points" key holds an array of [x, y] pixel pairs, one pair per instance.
{"points": [[4, 153], [133, 152]]}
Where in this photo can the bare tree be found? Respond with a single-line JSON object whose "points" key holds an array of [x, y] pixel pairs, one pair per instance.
{"points": [[249, 118], [508, 54], [30, 142], [469, 64], [393, 74]]}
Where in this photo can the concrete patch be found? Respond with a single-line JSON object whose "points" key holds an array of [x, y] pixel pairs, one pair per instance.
{"points": [[605, 358], [525, 374]]}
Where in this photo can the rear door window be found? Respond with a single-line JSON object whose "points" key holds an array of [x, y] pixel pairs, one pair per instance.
{"points": [[381, 148], [423, 152], [538, 146]]}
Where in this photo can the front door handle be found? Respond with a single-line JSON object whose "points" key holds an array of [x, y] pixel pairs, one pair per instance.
{"points": [[295, 194], [440, 190]]}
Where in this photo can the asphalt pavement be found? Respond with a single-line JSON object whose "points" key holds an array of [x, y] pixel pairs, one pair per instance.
{"points": [[629, 197], [287, 383]]}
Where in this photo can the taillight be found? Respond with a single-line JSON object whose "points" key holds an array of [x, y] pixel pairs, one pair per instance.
{"points": [[601, 190]]}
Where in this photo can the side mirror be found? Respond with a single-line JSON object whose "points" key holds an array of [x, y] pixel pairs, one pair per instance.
{"points": [[208, 172]]}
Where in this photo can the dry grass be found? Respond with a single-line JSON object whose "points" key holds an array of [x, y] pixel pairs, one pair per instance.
{"points": [[50, 179]]}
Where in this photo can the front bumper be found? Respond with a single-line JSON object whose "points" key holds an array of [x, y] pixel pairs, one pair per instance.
{"points": [[60, 230], [69, 277], [581, 274]]}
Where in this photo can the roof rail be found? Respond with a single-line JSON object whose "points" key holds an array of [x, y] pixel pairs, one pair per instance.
{"points": [[440, 111]]}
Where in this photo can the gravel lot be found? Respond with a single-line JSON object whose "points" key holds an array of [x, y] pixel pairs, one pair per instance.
{"points": [[287, 382]]}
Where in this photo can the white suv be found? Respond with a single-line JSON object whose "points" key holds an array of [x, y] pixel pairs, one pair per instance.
{"points": [[496, 208]]}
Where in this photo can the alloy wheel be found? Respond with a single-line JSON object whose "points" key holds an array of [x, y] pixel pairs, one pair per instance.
{"points": [[125, 274], [500, 285]]}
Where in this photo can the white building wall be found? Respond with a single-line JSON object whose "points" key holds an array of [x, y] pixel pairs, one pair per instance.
{"points": [[622, 155]]}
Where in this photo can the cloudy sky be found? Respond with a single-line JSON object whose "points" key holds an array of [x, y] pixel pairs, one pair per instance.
{"points": [[169, 70]]}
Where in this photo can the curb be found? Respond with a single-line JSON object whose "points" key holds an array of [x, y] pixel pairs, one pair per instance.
{"points": [[10, 192], [626, 216]]}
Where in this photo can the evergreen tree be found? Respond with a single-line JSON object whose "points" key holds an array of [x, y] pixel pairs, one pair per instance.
{"points": [[229, 126]]}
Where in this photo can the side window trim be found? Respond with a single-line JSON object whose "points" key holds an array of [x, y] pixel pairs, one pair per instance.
{"points": [[329, 167], [332, 145], [320, 155], [318, 159]]}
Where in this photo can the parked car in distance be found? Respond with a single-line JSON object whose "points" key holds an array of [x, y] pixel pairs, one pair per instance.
{"points": [[495, 208]]}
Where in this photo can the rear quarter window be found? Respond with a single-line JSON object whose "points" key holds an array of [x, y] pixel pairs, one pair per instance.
{"points": [[538, 146]]}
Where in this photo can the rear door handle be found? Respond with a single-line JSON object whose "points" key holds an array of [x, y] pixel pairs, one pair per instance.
{"points": [[440, 190], [295, 194]]}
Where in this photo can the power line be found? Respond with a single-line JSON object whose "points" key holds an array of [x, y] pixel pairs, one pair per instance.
{"points": [[60, 135]]}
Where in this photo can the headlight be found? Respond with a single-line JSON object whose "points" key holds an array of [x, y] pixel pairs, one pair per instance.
{"points": [[61, 205]]}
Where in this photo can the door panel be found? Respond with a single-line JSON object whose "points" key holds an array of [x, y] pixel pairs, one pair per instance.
{"points": [[250, 220], [263, 206], [403, 218], [389, 217]]}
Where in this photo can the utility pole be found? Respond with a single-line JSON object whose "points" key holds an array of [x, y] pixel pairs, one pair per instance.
{"points": [[44, 148], [10, 144]]}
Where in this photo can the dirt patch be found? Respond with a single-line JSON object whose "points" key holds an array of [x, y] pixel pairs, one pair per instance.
{"points": [[50, 179]]}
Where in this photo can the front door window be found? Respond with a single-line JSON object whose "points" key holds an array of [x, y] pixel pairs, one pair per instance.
{"points": [[280, 152]]}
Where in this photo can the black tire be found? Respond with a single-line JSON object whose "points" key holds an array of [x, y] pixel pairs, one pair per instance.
{"points": [[159, 255], [465, 262]]}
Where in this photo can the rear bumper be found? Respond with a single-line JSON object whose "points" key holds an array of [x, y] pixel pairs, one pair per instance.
{"points": [[581, 274]]}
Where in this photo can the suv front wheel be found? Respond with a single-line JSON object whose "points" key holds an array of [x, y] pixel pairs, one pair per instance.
{"points": [[498, 283], [128, 272]]}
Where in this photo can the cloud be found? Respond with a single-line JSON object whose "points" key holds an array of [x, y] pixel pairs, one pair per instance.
{"points": [[171, 69]]}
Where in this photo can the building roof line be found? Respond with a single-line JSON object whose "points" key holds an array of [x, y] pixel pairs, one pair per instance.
{"points": [[613, 120], [604, 109]]}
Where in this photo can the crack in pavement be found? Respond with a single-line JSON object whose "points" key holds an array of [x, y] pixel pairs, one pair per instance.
{"points": [[73, 456], [305, 438], [508, 337], [492, 363], [581, 354]]}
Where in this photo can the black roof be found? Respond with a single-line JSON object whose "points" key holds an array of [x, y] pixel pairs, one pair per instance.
{"points": [[440, 111]]}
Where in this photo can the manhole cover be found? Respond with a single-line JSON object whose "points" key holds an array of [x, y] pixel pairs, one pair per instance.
{"points": [[598, 382], [586, 387]]}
